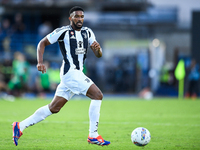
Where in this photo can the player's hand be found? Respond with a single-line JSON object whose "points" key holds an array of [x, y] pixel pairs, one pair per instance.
{"points": [[41, 67], [95, 46]]}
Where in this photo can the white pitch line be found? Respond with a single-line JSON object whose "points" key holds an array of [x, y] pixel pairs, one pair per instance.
{"points": [[122, 123], [113, 123]]}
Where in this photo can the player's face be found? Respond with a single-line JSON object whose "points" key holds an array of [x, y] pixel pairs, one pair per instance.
{"points": [[77, 19]]}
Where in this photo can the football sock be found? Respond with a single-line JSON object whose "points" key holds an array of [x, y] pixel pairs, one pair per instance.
{"points": [[94, 114], [38, 116]]}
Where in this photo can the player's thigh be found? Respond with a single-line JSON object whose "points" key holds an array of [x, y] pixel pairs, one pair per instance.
{"points": [[94, 92], [64, 91], [76, 82]]}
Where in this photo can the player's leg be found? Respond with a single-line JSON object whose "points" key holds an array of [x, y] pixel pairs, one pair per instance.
{"points": [[94, 93], [43, 112], [39, 115], [94, 113], [84, 85], [96, 97], [57, 103]]}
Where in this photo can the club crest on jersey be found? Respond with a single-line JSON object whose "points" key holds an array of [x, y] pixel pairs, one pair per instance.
{"points": [[72, 33]]}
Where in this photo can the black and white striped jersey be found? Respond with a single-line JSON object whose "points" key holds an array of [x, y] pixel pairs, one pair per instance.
{"points": [[73, 45]]}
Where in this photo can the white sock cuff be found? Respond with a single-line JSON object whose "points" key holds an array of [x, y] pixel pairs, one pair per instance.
{"points": [[96, 102], [47, 110]]}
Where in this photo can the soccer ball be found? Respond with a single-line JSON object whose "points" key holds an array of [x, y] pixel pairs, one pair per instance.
{"points": [[140, 136]]}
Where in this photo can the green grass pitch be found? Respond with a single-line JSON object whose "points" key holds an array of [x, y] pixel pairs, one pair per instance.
{"points": [[174, 124]]}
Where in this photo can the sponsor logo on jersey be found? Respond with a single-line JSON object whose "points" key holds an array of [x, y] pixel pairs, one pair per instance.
{"points": [[80, 51]]}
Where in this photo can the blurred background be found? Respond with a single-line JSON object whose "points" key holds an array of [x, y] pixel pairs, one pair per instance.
{"points": [[142, 42]]}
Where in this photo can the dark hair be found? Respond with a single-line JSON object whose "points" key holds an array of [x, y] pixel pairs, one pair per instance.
{"points": [[75, 8]]}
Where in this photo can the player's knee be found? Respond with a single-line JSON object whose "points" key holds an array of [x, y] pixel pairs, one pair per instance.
{"points": [[55, 109], [99, 95]]}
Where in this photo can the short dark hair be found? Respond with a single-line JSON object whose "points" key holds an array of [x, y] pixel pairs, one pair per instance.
{"points": [[75, 8]]}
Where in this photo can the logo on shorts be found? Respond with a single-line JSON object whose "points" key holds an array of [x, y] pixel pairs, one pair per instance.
{"points": [[87, 80]]}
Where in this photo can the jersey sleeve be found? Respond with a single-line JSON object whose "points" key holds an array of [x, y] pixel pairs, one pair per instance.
{"points": [[53, 36], [92, 37]]}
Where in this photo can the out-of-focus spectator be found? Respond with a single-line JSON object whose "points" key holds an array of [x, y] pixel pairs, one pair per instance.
{"points": [[5, 33], [48, 81], [43, 81], [32, 79], [18, 26], [54, 75], [4, 90], [3, 86], [101, 74], [193, 80], [18, 83], [167, 75], [44, 29], [3, 83], [5, 29], [18, 32], [6, 68]]}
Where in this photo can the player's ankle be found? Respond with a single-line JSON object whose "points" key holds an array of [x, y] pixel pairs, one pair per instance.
{"points": [[93, 134]]}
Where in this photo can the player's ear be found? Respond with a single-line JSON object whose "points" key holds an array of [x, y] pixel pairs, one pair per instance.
{"points": [[70, 19]]}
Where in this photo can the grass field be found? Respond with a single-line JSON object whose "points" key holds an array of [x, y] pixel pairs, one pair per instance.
{"points": [[174, 124]]}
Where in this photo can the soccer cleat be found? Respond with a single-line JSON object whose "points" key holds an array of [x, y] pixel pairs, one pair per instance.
{"points": [[98, 141], [16, 132]]}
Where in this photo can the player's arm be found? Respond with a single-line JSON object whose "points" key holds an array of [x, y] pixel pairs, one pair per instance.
{"points": [[94, 45], [96, 48], [40, 51]]}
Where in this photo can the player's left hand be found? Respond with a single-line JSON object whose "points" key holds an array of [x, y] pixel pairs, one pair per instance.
{"points": [[95, 46]]}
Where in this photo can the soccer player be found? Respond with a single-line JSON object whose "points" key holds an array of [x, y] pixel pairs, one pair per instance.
{"points": [[73, 41]]}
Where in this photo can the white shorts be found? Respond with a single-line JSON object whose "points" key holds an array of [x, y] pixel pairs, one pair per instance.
{"points": [[73, 82]]}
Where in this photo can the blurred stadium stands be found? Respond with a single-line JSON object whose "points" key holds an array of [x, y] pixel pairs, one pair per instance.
{"points": [[115, 22]]}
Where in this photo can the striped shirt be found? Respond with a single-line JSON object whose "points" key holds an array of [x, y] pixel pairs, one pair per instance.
{"points": [[73, 45]]}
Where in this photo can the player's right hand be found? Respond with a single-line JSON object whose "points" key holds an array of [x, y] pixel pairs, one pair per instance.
{"points": [[41, 67]]}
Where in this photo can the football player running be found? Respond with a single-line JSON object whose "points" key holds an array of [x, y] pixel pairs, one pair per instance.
{"points": [[73, 42]]}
